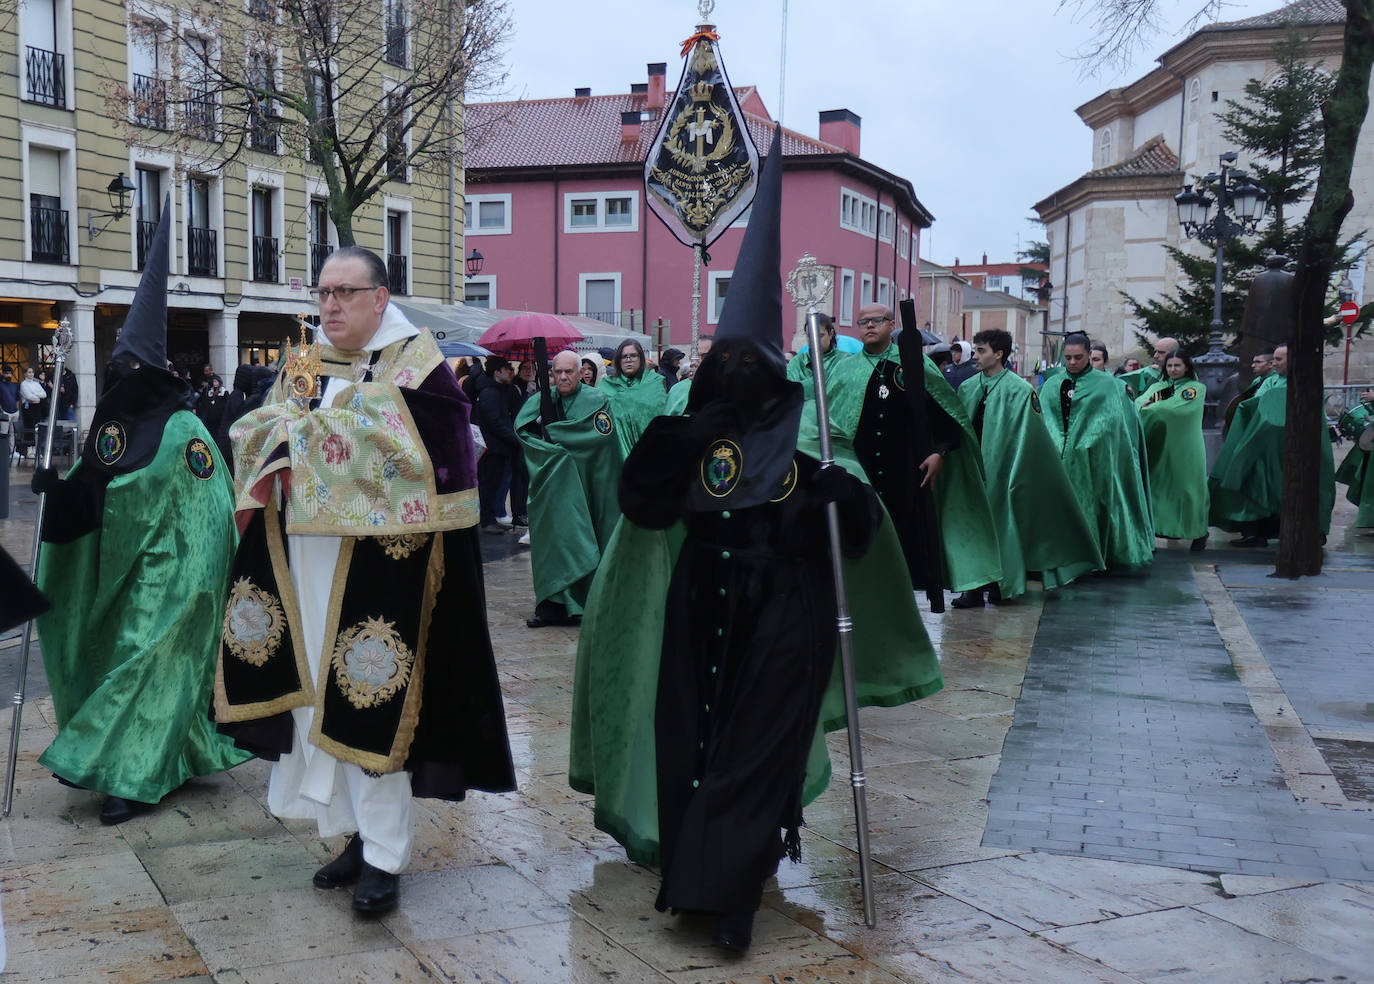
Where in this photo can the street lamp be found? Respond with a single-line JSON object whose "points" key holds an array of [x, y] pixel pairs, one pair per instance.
{"points": [[474, 262], [1239, 207], [118, 191]]}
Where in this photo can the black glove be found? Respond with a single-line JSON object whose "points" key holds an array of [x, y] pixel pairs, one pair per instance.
{"points": [[44, 480], [831, 484]]}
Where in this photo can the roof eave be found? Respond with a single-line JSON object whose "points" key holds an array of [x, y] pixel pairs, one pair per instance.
{"points": [[1164, 184]]}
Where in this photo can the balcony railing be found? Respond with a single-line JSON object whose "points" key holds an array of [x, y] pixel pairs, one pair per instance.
{"points": [[202, 252], [262, 131], [146, 228], [395, 41], [319, 252], [202, 114], [396, 270], [265, 259], [265, 10], [48, 233], [150, 102], [46, 75]]}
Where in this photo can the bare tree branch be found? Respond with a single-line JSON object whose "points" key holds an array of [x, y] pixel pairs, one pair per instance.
{"points": [[1121, 28]]}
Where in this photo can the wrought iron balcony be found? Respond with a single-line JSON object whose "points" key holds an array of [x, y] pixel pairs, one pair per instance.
{"points": [[201, 113], [265, 259], [265, 10], [262, 131], [48, 234], [395, 40], [319, 252], [46, 76], [202, 252], [150, 102], [145, 230], [396, 270]]}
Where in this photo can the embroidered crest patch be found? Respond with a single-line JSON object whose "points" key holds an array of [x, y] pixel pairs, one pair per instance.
{"points": [[789, 483], [721, 467], [1035, 401], [371, 663], [601, 420], [253, 623], [112, 442], [199, 458], [1188, 393]]}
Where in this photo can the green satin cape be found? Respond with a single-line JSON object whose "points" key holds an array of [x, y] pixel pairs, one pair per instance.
{"points": [[677, 398], [633, 405], [612, 753], [968, 535], [131, 641], [1139, 380], [799, 369], [1246, 483], [1177, 457], [1359, 477], [1040, 526], [572, 499], [1103, 464]]}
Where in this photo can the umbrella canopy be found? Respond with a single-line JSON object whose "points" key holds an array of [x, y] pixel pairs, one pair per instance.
{"points": [[845, 343], [454, 349], [518, 332]]}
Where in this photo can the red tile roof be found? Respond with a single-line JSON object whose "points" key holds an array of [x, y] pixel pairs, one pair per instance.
{"points": [[571, 131], [1151, 158], [1301, 12]]}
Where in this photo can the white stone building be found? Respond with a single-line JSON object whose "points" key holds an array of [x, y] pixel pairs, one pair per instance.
{"points": [[1106, 229]]}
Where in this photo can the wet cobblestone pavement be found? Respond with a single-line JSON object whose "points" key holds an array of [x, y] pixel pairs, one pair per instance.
{"points": [[1152, 695]]}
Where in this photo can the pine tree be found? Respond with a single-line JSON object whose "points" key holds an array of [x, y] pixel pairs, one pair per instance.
{"points": [[1278, 129]]}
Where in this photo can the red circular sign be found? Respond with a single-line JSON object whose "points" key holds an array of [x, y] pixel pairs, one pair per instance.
{"points": [[1350, 312]]}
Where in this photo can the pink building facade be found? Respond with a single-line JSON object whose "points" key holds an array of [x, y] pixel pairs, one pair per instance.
{"points": [[555, 204]]}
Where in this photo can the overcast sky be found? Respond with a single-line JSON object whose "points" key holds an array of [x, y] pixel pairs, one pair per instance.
{"points": [[972, 100]]}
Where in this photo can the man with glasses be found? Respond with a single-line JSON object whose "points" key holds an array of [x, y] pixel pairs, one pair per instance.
{"points": [[355, 652], [922, 458]]}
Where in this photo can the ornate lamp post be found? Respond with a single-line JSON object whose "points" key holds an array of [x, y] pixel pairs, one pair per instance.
{"points": [[1245, 200]]}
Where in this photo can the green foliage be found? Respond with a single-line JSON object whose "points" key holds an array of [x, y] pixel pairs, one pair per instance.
{"points": [[1278, 129]]}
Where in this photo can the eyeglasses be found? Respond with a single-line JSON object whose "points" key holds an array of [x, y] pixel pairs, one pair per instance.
{"points": [[871, 322], [342, 293]]}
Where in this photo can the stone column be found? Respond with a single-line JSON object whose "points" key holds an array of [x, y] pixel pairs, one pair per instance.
{"points": [[224, 344], [81, 360]]}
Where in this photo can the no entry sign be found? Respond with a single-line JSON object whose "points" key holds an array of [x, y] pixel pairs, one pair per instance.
{"points": [[1350, 312]]}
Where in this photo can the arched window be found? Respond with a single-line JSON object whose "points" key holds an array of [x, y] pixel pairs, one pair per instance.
{"points": [[1104, 149], [1194, 99]]}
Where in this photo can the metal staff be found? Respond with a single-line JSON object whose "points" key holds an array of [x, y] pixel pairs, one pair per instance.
{"points": [[62, 342], [810, 284]]}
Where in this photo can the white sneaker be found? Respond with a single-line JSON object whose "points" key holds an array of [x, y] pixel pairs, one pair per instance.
{"points": [[524, 541]]}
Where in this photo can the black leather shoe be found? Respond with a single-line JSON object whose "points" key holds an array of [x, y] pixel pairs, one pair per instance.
{"points": [[969, 599], [543, 621], [117, 809], [1200, 544], [1250, 541], [377, 891], [345, 869], [735, 931]]}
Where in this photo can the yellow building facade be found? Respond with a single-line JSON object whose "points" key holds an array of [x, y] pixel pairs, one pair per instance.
{"points": [[95, 95]]}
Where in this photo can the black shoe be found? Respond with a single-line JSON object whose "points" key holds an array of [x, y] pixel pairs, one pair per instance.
{"points": [[67, 782], [969, 599], [1200, 544], [494, 528], [117, 809], [377, 891], [1250, 541], [522, 521], [735, 931], [543, 621], [994, 594], [345, 869]]}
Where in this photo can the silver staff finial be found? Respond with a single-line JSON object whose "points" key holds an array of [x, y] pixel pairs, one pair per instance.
{"points": [[810, 283], [704, 7]]}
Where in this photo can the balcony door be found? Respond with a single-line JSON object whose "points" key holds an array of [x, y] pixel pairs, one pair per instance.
{"points": [[264, 241], [147, 208], [202, 245]]}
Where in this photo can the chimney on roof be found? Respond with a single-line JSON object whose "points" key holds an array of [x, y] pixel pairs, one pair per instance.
{"points": [[582, 92], [985, 259], [658, 81], [956, 261], [841, 127], [629, 126]]}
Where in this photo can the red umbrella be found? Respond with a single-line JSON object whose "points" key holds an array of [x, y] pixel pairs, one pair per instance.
{"points": [[518, 332]]}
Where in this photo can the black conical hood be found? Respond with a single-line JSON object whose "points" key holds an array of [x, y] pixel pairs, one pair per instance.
{"points": [[753, 306], [143, 339]]}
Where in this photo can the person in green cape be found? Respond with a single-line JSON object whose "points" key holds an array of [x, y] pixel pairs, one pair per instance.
{"points": [[1261, 371], [697, 724], [1090, 423], [1140, 380], [912, 448], [1040, 527], [1246, 482], [1171, 415], [799, 368], [1356, 474], [574, 464], [635, 394], [137, 543]]}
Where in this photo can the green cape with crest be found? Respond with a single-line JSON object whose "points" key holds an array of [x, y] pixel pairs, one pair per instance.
{"points": [[634, 402], [574, 471], [1098, 447], [1171, 415], [968, 536], [1040, 525], [1246, 483]]}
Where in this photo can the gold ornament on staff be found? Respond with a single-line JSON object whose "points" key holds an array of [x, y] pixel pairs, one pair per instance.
{"points": [[303, 366]]}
